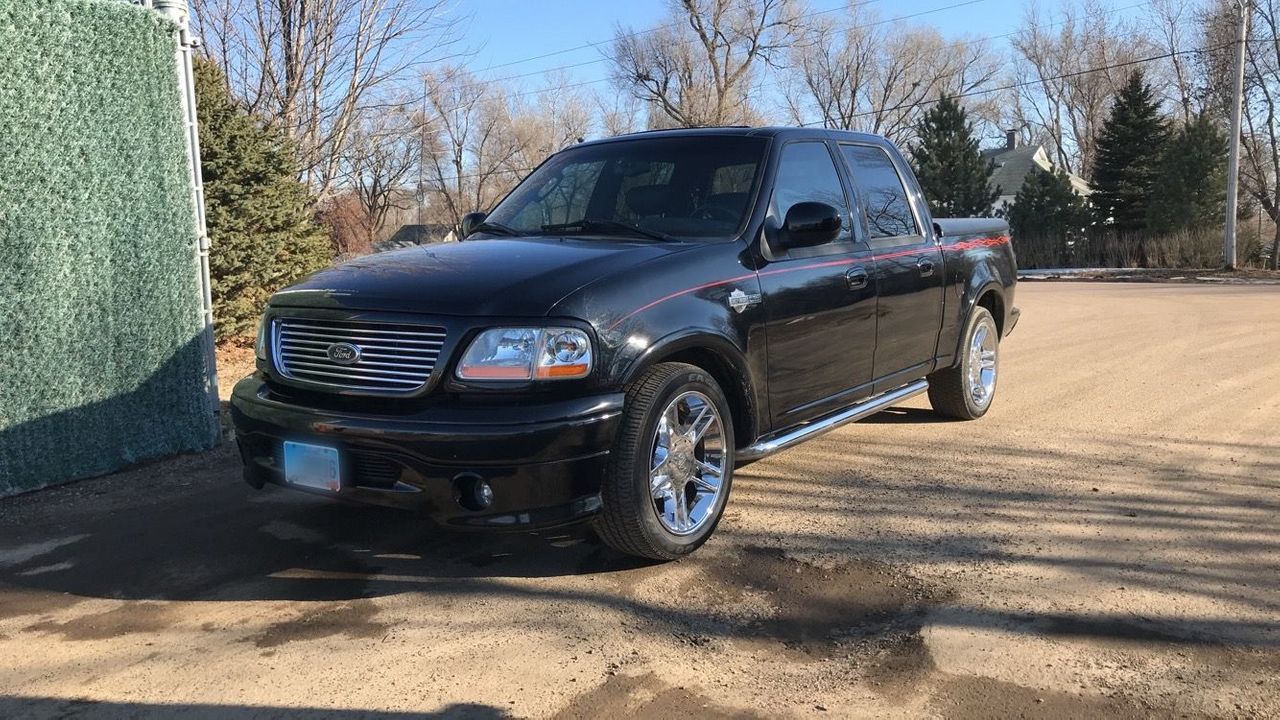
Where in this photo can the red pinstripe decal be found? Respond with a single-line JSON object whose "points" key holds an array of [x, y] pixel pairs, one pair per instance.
{"points": [[986, 242]]}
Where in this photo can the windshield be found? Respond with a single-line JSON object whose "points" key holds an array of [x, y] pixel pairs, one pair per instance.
{"points": [[675, 187]]}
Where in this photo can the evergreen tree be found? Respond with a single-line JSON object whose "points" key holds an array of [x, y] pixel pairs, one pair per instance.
{"points": [[261, 229], [1047, 220], [951, 170], [1189, 192], [1129, 152]]}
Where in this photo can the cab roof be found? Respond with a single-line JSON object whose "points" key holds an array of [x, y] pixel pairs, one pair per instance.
{"points": [[780, 132]]}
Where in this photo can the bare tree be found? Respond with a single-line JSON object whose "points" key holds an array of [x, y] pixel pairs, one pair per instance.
{"points": [[1068, 71], [1260, 120], [860, 73], [559, 116], [696, 68], [470, 145], [618, 113], [1174, 24], [377, 166], [310, 66], [1260, 151]]}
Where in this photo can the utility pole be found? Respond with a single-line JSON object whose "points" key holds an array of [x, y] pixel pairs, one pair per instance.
{"points": [[1233, 162]]}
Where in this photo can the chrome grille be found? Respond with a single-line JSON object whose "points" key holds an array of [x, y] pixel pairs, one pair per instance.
{"points": [[393, 357]]}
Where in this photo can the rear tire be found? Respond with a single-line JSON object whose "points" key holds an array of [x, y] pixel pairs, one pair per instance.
{"points": [[660, 498], [967, 389]]}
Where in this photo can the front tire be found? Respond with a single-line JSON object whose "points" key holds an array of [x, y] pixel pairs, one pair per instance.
{"points": [[671, 467], [966, 390]]}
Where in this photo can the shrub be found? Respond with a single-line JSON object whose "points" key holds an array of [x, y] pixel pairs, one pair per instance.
{"points": [[1189, 192], [1047, 220], [262, 231]]}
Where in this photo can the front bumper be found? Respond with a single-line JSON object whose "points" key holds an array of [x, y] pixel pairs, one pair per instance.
{"points": [[544, 460]]}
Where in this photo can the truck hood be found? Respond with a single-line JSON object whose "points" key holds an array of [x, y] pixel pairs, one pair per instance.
{"points": [[493, 277]]}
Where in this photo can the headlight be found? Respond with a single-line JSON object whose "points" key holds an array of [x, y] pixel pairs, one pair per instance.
{"points": [[553, 353], [260, 345]]}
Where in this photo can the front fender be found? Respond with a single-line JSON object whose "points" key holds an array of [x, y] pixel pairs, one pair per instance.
{"points": [[676, 342], [732, 369]]}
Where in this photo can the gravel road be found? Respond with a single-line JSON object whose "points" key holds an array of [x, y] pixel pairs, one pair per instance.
{"points": [[1105, 543]]}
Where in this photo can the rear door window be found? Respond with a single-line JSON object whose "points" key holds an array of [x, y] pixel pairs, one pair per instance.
{"points": [[883, 194]]}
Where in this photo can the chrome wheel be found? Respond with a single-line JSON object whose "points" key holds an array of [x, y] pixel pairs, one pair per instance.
{"points": [[687, 466], [983, 363]]}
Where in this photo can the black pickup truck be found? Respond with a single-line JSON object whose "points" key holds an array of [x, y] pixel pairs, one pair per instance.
{"points": [[637, 318]]}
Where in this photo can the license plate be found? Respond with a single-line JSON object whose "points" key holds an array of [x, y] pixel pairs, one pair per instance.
{"points": [[312, 466]]}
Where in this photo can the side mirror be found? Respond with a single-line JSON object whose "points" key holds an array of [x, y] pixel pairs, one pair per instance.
{"points": [[470, 221], [809, 224]]}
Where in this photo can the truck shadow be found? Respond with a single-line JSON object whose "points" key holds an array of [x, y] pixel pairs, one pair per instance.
{"points": [[229, 542], [188, 530], [54, 707]]}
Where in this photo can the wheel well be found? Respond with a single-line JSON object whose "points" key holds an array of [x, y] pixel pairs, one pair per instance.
{"points": [[992, 301], [731, 381]]}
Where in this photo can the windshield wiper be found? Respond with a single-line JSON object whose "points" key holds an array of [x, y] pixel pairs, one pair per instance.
{"points": [[496, 229], [589, 225]]}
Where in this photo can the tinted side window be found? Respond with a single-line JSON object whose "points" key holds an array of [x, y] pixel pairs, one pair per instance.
{"points": [[806, 173], [564, 198], [880, 185]]}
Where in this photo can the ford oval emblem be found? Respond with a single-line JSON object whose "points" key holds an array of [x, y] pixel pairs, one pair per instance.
{"points": [[344, 353]]}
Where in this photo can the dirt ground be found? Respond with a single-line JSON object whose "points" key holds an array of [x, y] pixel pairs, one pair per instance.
{"points": [[1105, 543]]}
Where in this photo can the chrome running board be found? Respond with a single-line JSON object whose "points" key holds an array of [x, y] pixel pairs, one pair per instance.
{"points": [[831, 422]]}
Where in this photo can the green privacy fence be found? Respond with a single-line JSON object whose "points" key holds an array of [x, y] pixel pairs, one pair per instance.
{"points": [[102, 362]]}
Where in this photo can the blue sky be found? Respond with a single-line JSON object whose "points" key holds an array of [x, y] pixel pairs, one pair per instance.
{"points": [[509, 31]]}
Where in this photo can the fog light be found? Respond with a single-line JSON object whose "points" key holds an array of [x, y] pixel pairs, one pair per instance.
{"points": [[473, 491], [483, 494]]}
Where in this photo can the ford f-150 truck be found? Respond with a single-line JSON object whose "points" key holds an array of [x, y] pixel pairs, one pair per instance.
{"points": [[637, 318]]}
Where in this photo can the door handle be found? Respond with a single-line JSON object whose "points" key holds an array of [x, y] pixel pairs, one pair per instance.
{"points": [[925, 265], [857, 278]]}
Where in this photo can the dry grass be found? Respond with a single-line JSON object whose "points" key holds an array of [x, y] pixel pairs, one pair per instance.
{"points": [[235, 360], [1185, 250]]}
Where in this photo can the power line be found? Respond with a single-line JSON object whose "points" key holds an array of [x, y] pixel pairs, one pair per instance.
{"points": [[635, 34], [971, 41], [962, 43], [776, 83], [546, 71], [973, 93], [1040, 81], [798, 18]]}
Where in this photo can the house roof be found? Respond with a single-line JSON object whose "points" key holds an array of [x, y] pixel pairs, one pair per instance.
{"points": [[1014, 165]]}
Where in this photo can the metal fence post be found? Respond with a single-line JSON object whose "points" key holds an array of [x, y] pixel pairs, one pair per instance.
{"points": [[179, 12]]}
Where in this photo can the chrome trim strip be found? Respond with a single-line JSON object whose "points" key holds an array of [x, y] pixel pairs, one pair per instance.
{"points": [[352, 376], [831, 422], [419, 374], [298, 356], [330, 338], [358, 323]]}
